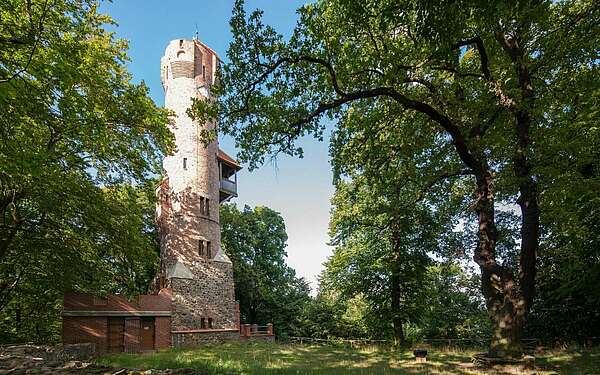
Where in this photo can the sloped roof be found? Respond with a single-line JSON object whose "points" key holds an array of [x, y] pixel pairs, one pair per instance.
{"points": [[179, 271], [208, 48], [222, 156]]}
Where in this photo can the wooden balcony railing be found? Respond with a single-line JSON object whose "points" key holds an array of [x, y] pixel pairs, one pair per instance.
{"points": [[228, 186]]}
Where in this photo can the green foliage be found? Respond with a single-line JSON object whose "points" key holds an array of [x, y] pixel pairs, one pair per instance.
{"points": [[115, 251], [454, 307], [330, 316], [266, 287], [500, 98], [79, 143], [566, 307]]}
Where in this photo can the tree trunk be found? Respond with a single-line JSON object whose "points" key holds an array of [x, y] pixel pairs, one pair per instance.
{"points": [[528, 190], [396, 291], [508, 316], [11, 216], [530, 212], [252, 313], [502, 296]]}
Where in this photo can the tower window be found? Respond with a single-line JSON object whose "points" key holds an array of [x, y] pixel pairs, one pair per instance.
{"points": [[210, 322], [208, 250], [180, 43], [185, 163], [204, 72], [204, 204], [201, 248], [202, 323]]}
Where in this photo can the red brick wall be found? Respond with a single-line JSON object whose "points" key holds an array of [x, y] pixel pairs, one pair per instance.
{"points": [[162, 332], [88, 302], [156, 302], [94, 329], [132, 335], [86, 329]]}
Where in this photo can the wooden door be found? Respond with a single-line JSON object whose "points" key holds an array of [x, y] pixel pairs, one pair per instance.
{"points": [[147, 333], [116, 328]]}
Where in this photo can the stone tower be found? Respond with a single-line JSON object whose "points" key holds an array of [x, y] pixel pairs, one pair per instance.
{"points": [[198, 178]]}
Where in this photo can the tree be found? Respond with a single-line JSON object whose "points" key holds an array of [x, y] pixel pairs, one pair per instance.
{"points": [[381, 253], [328, 316], [266, 287], [79, 144], [566, 307], [454, 304], [490, 84]]}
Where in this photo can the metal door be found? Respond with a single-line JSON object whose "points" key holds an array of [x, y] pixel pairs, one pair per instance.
{"points": [[147, 333], [116, 328]]}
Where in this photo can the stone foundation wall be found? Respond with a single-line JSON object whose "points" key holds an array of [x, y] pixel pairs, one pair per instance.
{"points": [[198, 338], [209, 294]]}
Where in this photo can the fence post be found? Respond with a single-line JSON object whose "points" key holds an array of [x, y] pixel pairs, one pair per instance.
{"points": [[246, 330]]}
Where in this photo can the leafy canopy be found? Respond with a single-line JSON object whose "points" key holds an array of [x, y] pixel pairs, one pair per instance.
{"points": [[79, 146]]}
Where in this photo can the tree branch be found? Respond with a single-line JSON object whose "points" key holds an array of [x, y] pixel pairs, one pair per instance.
{"points": [[478, 42], [445, 122], [40, 29]]}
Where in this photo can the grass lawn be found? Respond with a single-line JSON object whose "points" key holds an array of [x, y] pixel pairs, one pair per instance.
{"points": [[267, 358]]}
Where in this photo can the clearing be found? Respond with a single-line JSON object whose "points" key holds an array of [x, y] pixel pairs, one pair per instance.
{"points": [[275, 358]]}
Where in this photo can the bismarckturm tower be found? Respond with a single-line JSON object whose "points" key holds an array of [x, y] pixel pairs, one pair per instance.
{"points": [[198, 178]]}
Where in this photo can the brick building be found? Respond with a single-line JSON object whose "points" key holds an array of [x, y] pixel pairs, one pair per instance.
{"points": [[115, 324], [194, 292]]}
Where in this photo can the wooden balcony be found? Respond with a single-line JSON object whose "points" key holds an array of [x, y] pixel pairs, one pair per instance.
{"points": [[228, 188], [228, 168]]}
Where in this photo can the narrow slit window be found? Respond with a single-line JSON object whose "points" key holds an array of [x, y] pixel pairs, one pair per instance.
{"points": [[202, 204], [202, 323], [208, 249], [201, 248], [185, 163], [203, 72], [210, 322], [180, 43], [206, 207]]}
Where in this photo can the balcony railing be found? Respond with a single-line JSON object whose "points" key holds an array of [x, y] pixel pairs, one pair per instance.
{"points": [[229, 187]]}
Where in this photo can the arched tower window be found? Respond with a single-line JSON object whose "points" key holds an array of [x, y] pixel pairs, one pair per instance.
{"points": [[180, 54]]}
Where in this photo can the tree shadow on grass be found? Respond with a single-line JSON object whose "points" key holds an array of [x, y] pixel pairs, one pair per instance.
{"points": [[261, 358]]}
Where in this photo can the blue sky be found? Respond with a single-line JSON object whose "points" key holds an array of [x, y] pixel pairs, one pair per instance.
{"points": [[300, 189]]}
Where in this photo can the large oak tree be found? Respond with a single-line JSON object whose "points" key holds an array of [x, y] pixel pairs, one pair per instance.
{"points": [[491, 79]]}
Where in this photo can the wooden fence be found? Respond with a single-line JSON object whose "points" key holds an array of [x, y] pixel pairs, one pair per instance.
{"points": [[529, 343], [435, 342]]}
